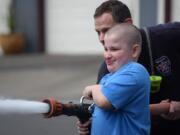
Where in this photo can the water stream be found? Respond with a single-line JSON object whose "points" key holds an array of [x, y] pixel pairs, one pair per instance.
{"points": [[18, 106]]}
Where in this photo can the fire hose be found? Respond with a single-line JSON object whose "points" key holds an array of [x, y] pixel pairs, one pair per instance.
{"points": [[84, 110], [81, 110]]}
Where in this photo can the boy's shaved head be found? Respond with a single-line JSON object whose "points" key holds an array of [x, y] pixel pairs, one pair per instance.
{"points": [[127, 33]]}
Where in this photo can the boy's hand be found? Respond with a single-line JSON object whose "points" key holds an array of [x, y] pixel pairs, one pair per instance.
{"points": [[84, 128], [88, 91]]}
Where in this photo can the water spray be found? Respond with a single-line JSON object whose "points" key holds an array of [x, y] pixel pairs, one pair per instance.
{"points": [[19, 106]]}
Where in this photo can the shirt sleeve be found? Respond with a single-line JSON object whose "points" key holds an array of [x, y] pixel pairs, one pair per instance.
{"points": [[121, 90]]}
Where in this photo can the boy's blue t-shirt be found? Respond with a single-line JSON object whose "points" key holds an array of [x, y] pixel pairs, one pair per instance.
{"points": [[128, 91]]}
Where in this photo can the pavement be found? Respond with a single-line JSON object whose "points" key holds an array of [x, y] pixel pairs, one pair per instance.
{"points": [[36, 77]]}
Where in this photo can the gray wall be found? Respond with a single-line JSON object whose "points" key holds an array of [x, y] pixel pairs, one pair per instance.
{"points": [[148, 12], [27, 23]]}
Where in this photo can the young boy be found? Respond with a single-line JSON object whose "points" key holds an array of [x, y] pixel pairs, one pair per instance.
{"points": [[122, 97]]}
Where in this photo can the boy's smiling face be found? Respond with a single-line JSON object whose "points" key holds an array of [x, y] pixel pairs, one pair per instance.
{"points": [[117, 52]]}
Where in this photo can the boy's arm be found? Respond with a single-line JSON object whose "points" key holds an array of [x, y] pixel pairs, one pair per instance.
{"points": [[94, 92]]}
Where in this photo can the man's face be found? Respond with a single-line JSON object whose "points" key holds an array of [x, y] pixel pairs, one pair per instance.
{"points": [[102, 24]]}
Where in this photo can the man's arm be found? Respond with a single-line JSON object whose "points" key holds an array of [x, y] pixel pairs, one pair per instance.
{"points": [[159, 108], [102, 71]]}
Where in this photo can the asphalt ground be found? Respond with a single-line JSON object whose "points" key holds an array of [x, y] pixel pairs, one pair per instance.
{"points": [[36, 77]]}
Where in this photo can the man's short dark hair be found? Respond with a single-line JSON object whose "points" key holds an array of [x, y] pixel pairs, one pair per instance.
{"points": [[117, 9]]}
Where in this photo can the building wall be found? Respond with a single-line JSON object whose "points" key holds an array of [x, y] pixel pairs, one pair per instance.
{"points": [[70, 27], [148, 13], [27, 23], [4, 14], [175, 10], [25, 15], [160, 11]]}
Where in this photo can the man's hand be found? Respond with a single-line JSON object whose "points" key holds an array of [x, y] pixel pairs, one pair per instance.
{"points": [[174, 111]]}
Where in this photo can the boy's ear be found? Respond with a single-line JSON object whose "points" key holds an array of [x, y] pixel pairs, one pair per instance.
{"points": [[136, 51], [128, 20]]}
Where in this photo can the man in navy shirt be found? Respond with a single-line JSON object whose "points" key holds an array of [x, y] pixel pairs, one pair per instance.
{"points": [[160, 55]]}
